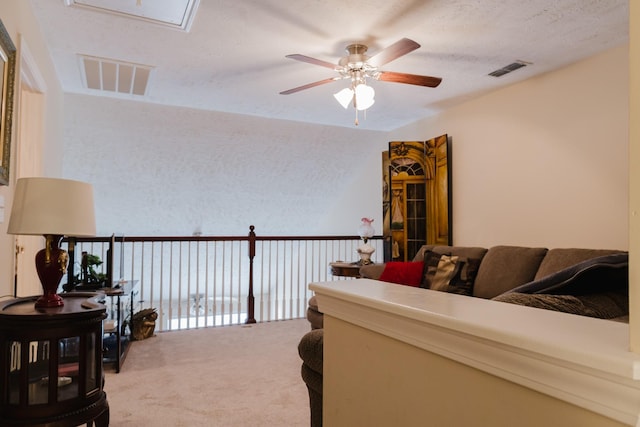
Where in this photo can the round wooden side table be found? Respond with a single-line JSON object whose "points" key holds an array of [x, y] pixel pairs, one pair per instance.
{"points": [[51, 363], [345, 269]]}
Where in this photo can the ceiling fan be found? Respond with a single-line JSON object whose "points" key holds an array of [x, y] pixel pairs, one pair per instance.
{"points": [[358, 67]]}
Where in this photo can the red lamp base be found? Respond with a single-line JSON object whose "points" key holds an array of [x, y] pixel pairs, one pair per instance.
{"points": [[50, 300], [51, 265]]}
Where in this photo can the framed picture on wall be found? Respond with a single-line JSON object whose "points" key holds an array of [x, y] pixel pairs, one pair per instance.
{"points": [[7, 80]]}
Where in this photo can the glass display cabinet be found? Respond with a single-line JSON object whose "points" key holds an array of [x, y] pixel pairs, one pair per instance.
{"points": [[51, 368]]}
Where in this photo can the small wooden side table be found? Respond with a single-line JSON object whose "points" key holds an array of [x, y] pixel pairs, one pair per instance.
{"points": [[345, 269], [51, 363]]}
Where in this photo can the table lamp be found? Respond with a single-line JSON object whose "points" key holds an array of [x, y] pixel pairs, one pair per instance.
{"points": [[365, 250], [54, 208]]}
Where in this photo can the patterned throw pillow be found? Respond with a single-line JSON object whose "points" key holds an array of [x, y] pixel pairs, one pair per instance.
{"points": [[431, 261], [449, 273], [462, 282], [440, 276]]}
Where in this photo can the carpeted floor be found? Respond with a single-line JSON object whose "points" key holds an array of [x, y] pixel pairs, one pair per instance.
{"points": [[245, 375]]}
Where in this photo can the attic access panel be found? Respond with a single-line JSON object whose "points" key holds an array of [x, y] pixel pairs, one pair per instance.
{"points": [[172, 13]]}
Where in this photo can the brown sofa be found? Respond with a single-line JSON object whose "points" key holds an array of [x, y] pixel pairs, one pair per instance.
{"points": [[590, 282]]}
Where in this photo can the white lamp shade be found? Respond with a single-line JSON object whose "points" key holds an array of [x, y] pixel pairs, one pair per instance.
{"points": [[344, 97], [366, 230], [364, 96], [52, 206]]}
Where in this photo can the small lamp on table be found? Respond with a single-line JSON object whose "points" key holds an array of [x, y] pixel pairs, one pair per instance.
{"points": [[54, 208], [365, 250]]}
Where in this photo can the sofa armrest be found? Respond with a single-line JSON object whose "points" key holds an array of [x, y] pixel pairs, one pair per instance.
{"points": [[371, 271], [310, 349]]}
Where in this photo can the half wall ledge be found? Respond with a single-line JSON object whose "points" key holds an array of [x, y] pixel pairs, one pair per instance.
{"points": [[579, 360]]}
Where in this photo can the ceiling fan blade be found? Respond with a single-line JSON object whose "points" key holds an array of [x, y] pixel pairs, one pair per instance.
{"points": [[310, 85], [310, 60], [395, 51], [410, 79]]}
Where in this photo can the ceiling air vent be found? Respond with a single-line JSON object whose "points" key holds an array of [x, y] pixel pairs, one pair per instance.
{"points": [[115, 76], [509, 68]]}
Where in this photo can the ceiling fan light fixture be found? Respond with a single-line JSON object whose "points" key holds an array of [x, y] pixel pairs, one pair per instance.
{"points": [[358, 67], [364, 96], [344, 97]]}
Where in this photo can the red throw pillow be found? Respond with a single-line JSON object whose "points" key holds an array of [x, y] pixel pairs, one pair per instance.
{"points": [[403, 273]]}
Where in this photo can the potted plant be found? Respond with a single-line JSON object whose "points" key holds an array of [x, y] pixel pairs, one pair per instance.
{"points": [[88, 277]]}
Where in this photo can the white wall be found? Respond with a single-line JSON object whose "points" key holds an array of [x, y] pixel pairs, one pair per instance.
{"points": [[543, 162], [361, 196], [159, 170], [634, 175]]}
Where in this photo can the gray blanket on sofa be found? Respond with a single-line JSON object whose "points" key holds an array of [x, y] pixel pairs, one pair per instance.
{"points": [[601, 274], [597, 288]]}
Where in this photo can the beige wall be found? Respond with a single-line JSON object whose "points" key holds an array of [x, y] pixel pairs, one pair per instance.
{"points": [[634, 175], [22, 27], [177, 170], [543, 162], [373, 380]]}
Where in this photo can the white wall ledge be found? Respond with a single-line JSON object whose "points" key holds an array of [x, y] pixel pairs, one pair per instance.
{"points": [[580, 360]]}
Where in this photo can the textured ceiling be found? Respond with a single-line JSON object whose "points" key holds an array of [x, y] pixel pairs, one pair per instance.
{"points": [[232, 58]]}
